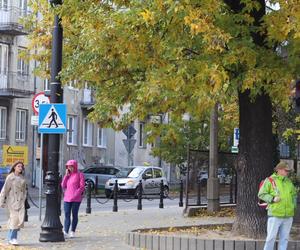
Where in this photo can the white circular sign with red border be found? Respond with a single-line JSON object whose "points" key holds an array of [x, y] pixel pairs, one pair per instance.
{"points": [[38, 99]]}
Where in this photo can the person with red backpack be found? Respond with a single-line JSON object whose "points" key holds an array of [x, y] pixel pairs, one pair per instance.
{"points": [[279, 193]]}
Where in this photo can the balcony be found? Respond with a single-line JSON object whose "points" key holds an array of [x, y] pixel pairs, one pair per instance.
{"points": [[10, 20], [87, 100], [15, 85]]}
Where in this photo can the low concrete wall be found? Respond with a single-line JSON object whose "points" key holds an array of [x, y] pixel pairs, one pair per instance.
{"points": [[172, 242]]}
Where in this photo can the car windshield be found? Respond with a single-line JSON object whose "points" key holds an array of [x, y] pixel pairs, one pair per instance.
{"points": [[124, 172], [135, 172]]}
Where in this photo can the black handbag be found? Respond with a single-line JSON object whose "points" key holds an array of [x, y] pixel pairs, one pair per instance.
{"points": [[27, 206]]}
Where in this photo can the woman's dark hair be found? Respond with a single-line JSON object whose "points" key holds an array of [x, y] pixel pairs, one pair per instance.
{"points": [[14, 166]]}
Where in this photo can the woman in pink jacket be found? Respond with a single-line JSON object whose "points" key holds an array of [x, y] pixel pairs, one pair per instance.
{"points": [[73, 185]]}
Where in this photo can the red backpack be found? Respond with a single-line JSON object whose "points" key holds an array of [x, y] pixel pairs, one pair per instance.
{"points": [[262, 203]]}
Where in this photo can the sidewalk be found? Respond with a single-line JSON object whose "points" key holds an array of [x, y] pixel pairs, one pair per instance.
{"points": [[106, 230]]}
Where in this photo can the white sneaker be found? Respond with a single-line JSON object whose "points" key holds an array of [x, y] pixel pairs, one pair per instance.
{"points": [[13, 242], [72, 234], [66, 234]]}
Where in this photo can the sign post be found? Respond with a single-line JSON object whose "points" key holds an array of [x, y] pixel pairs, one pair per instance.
{"points": [[129, 142]]}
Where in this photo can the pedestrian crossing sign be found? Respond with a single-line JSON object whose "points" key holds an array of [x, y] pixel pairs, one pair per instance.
{"points": [[52, 118]]}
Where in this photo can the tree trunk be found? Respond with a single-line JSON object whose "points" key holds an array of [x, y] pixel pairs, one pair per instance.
{"points": [[256, 150], [255, 162]]}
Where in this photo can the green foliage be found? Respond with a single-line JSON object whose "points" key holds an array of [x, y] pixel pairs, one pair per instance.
{"points": [[164, 56], [296, 180]]}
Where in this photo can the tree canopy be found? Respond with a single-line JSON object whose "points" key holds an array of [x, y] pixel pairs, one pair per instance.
{"points": [[166, 56]]}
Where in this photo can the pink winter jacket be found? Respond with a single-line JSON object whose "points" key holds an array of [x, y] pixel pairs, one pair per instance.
{"points": [[73, 184]]}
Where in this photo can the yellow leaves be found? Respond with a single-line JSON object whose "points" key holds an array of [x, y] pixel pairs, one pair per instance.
{"points": [[198, 21], [160, 4], [202, 23], [205, 231], [148, 16], [217, 78]]}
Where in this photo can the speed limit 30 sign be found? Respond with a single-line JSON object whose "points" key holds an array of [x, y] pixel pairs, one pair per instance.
{"points": [[37, 100]]}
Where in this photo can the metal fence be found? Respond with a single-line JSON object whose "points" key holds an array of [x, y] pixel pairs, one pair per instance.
{"points": [[199, 173]]}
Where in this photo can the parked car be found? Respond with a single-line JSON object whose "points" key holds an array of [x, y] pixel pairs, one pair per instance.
{"points": [[223, 175], [102, 172], [150, 176], [203, 176]]}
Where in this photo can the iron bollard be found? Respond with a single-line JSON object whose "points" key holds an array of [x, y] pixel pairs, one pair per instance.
{"points": [[140, 188], [161, 200], [96, 185], [88, 199], [115, 207], [199, 193], [181, 194]]}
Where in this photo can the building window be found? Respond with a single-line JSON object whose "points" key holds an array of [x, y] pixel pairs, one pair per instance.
{"points": [[3, 4], [23, 7], [72, 130], [3, 59], [3, 117], [87, 133], [21, 119], [101, 138], [142, 135], [23, 67], [46, 84], [73, 84]]}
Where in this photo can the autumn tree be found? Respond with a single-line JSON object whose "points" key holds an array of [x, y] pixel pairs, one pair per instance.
{"points": [[166, 56]]}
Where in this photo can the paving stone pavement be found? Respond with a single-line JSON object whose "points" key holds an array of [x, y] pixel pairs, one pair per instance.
{"points": [[105, 230]]}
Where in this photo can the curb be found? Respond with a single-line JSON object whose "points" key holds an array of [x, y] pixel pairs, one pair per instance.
{"points": [[170, 242]]}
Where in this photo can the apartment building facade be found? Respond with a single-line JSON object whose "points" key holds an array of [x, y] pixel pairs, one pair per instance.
{"points": [[17, 85]]}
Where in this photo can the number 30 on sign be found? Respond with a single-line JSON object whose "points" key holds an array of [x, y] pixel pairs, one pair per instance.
{"points": [[37, 100]]}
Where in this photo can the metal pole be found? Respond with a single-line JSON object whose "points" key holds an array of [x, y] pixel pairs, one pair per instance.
{"points": [[115, 206], [52, 227], [161, 195], [187, 178], [181, 194], [213, 181], [88, 199], [198, 193], [128, 138], [41, 177], [33, 169], [140, 188]]}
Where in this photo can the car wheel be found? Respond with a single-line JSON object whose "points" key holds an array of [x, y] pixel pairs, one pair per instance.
{"points": [[137, 192], [203, 182], [166, 191], [92, 184], [108, 193]]}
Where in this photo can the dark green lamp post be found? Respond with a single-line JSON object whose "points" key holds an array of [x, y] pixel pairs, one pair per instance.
{"points": [[51, 226]]}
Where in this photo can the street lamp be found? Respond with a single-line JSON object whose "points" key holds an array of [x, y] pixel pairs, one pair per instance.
{"points": [[51, 226]]}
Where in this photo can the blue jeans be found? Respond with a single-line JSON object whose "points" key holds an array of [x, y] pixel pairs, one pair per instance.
{"points": [[12, 234], [281, 226], [74, 208]]}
